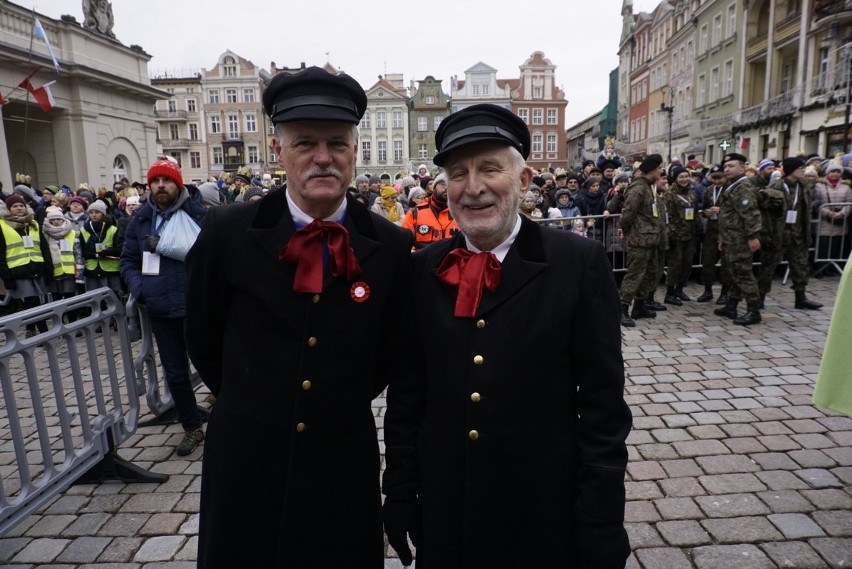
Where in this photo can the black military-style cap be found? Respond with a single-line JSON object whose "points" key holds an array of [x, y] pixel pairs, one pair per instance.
{"points": [[715, 169], [314, 94], [481, 123], [734, 156], [651, 163]]}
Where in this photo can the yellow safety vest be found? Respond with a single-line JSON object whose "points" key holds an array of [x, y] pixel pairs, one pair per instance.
{"points": [[106, 265], [65, 265], [16, 254]]}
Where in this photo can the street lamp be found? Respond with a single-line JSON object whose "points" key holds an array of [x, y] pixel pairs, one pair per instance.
{"points": [[670, 110]]}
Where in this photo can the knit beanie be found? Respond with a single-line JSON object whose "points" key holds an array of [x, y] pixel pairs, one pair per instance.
{"points": [[361, 178], [13, 199], [53, 212], [792, 164], [765, 163], [80, 200], [374, 180], [167, 169], [251, 192], [97, 206]]}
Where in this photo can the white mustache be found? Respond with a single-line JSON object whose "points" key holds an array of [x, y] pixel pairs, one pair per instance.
{"points": [[321, 172]]}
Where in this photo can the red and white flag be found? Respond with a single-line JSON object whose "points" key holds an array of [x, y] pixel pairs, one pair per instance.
{"points": [[42, 95]]}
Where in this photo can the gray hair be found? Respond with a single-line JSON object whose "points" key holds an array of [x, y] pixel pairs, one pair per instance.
{"points": [[279, 132]]}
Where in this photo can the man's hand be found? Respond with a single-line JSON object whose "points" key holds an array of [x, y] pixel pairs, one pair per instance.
{"points": [[754, 244], [402, 519]]}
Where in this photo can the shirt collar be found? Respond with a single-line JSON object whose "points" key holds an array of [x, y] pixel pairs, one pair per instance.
{"points": [[501, 250], [301, 219]]}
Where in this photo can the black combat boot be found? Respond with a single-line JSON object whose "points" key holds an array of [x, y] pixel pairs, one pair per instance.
{"points": [[640, 310], [671, 297], [803, 302], [752, 316], [723, 296], [707, 296], [652, 304], [625, 317], [680, 294], [729, 310]]}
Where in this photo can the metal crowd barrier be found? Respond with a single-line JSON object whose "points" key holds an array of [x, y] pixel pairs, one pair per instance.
{"points": [[831, 250], [61, 423]]}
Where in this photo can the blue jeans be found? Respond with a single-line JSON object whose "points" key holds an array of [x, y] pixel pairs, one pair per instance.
{"points": [[172, 348]]}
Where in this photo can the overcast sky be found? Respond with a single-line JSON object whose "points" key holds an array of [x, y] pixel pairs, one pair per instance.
{"points": [[368, 38]]}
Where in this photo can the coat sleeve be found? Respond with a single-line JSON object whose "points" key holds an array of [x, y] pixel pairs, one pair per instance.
{"points": [[206, 299], [131, 259], [603, 422]]}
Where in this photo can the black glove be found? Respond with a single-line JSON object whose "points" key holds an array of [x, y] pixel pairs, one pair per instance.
{"points": [[402, 519], [151, 242]]}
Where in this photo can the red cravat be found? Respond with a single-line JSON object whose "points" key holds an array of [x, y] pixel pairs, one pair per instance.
{"points": [[306, 250], [470, 272]]}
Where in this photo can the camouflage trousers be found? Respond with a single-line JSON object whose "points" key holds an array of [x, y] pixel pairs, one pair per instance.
{"points": [[641, 270], [710, 255], [681, 254], [743, 282], [796, 253]]}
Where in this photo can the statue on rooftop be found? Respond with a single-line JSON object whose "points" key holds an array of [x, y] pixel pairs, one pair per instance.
{"points": [[97, 16]]}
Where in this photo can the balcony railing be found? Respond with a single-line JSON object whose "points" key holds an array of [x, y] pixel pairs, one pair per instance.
{"points": [[639, 147], [825, 8], [776, 107], [717, 123], [169, 115], [175, 143], [827, 86]]}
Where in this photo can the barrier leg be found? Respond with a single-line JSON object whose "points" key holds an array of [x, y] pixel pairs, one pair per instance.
{"points": [[113, 468]]}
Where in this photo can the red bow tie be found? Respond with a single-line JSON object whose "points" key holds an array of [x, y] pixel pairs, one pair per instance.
{"points": [[470, 272], [306, 250]]}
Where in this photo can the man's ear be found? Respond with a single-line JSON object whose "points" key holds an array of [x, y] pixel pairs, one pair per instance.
{"points": [[276, 149], [526, 177]]}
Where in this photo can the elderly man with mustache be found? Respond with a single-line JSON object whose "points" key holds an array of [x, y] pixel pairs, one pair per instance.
{"points": [[291, 305]]}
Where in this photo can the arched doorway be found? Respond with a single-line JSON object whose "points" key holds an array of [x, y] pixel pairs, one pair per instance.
{"points": [[119, 168]]}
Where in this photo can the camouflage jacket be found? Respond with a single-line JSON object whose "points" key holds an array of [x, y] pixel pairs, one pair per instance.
{"points": [[682, 207], [641, 227], [739, 216]]}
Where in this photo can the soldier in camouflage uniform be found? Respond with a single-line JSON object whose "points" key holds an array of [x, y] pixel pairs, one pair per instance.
{"points": [[641, 225], [739, 230], [789, 201], [681, 207], [710, 252], [660, 187]]}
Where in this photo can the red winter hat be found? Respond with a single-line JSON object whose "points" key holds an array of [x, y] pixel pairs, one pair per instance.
{"points": [[167, 169]]}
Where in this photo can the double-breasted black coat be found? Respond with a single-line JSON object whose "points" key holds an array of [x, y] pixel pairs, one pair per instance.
{"points": [[291, 460], [517, 458]]}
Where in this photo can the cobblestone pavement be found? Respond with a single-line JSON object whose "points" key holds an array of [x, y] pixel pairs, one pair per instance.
{"points": [[731, 466]]}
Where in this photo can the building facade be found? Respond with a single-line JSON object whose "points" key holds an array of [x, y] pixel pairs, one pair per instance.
{"points": [[383, 133], [540, 103], [101, 127], [180, 125], [428, 105], [480, 85], [583, 140]]}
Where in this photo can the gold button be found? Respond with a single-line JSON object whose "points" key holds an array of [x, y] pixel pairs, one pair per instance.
{"points": [[473, 435], [478, 360], [312, 341], [480, 324], [301, 427], [306, 384], [315, 298], [475, 397]]}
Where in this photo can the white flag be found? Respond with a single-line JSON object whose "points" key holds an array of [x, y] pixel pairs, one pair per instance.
{"points": [[38, 31]]}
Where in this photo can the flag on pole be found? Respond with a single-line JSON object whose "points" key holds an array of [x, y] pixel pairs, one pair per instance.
{"points": [[42, 95], [38, 31]]}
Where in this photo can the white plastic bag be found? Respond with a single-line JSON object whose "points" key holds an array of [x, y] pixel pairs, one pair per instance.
{"points": [[178, 236]]}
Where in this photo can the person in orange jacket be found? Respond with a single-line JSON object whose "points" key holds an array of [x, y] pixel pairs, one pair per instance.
{"points": [[431, 220]]}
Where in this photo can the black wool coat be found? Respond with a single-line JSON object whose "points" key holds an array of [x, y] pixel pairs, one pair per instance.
{"points": [[541, 481], [291, 460]]}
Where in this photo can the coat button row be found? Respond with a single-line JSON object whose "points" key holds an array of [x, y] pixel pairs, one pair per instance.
{"points": [[475, 397], [306, 384], [473, 435], [480, 324], [312, 342], [300, 427], [478, 360], [315, 298]]}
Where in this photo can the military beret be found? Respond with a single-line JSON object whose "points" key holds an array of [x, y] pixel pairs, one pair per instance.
{"points": [[715, 169], [734, 156], [651, 163], [609, 164], [314, 94], [792, 164], [481, 123]]}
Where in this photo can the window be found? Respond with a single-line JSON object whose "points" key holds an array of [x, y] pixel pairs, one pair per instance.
{"points": [[536, 143], [702, 40], [195, 160], [215, 124], [732, 20], [213, 96], [251, 122], [382, 148], [824, 62], [538, 116], [397, 151], [702, 86], [717, 29], [551, 142], [524, 115], [177, 157], [248, 95], [230, 95], [365, 120], [365, 150], [218, 157], [229, 67], [436, 122], [423, 151], [190, 105], [397, 119], [233, 126], [430, 100], [381, 119], [485, 89], [551, 116], [253, 156], [537, 92], [172, 105], [476, 90], [729, 78], [193, 131], [173, 132], [714, 84], [422, 124], [786, 77]]}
